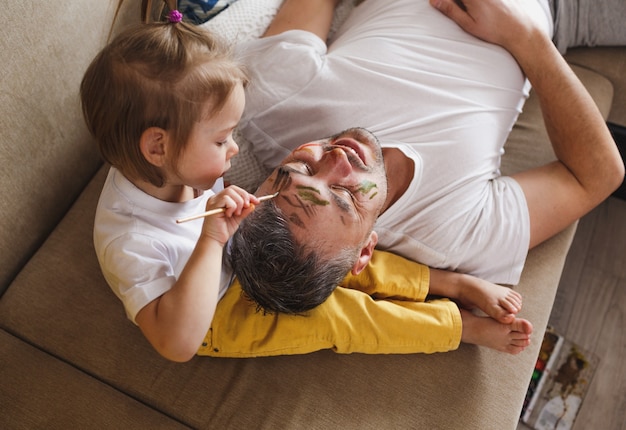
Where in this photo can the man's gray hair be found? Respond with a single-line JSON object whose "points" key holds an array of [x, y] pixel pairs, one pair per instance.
{"points": [[278, 273]]}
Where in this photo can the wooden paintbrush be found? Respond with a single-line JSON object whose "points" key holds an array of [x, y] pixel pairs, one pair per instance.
{"points": [[219, 210]]}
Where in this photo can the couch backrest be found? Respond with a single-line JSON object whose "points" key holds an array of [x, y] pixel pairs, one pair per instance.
{"points": [[46, 154]]}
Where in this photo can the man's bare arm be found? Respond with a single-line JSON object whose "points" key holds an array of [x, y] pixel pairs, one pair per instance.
{"points": [[589, 167], [314, 16]]}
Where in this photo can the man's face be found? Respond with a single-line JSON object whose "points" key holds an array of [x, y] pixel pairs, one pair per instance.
{"points": [[331, 190]]}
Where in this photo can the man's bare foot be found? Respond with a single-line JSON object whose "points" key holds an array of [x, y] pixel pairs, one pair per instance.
{"points": [[500, 303], [512, 338]]}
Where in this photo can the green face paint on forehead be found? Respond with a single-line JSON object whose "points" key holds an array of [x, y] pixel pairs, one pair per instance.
{"points": [[310, 194]]}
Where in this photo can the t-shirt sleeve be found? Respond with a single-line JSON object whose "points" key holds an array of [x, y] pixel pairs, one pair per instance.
{"points": [[280, 66], [138, 270]]}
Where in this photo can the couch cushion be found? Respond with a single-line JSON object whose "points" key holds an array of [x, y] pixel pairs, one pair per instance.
{"points": [[45, 154], [39, 391]]}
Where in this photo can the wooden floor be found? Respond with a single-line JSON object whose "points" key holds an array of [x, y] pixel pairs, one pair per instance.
{"points": [[590, 309]]}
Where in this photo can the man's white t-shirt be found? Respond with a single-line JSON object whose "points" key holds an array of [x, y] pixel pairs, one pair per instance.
{"points": [[419, 82], [140, 247]]}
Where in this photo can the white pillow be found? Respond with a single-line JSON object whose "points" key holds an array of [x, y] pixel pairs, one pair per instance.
{"points": [[244, 19], [248, 19]]}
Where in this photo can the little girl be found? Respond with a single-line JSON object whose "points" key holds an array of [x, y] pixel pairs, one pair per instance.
{"points": [[162, 101]]}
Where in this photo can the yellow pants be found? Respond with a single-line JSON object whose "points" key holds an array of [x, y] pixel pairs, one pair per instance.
{"points": [[380, 311]]}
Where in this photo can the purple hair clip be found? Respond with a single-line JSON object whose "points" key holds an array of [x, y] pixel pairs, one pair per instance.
{"points": [[174, 16]]}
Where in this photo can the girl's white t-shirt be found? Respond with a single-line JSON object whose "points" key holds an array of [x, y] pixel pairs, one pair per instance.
{"points": [[140, 247]]}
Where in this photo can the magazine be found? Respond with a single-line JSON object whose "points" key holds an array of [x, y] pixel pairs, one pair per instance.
{"points": [[559, 383]]}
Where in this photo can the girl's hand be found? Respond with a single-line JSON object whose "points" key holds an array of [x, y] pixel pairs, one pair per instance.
{"points": [[238, 204]]}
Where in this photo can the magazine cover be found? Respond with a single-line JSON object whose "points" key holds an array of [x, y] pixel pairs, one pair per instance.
{"points": [[559, 383]]}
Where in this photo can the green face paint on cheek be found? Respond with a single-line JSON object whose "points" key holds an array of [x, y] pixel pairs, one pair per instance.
{"points": [[310, 194], [366, 187]]}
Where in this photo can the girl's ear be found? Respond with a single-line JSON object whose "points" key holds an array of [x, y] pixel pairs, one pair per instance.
{"points": [[153, 144]]}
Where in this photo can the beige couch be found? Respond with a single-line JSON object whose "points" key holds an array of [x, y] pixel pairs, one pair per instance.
{"points": [[69, 358]]}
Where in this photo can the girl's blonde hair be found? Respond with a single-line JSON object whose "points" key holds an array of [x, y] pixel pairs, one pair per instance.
{"points": [[154, 75]]}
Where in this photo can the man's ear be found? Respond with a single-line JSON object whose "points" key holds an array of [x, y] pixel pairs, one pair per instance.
{"points": [[366, 254], [153, 143]]}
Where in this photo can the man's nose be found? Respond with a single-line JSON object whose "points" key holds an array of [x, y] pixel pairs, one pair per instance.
{"points": [[338, 163]]}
